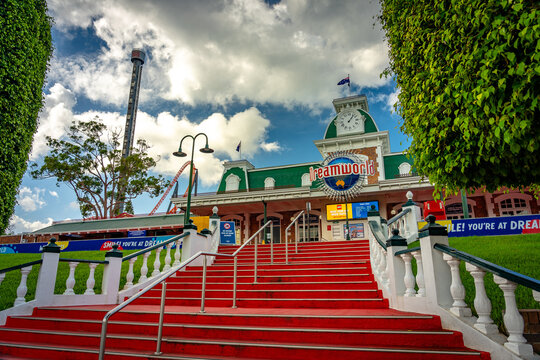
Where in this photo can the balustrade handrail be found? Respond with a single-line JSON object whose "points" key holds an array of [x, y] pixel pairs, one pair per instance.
{"points": [[16, 267], [150, 248], [85, 261], [505, 273], [295, 237], [251, 238], [374, 226], [405, 251], [398, 216], [150, 286]]}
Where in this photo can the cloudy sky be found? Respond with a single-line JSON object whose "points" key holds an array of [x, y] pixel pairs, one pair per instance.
{"points": [[252, 71]]}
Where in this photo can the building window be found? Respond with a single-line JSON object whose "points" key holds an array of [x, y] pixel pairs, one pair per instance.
{"points": [[404, 169], [305, 180], [232, 183], [455, 211], [269, 183], [514, 206]]}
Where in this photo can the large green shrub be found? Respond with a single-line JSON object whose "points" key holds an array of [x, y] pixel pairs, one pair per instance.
{"points": [[469, 78], [25, 49]]}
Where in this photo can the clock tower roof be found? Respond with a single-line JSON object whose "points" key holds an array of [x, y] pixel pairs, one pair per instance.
{"points": [[351, 104]]}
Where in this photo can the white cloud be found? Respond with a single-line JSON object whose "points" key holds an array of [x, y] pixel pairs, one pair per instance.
{"points": [[53, 193], [19, 225], [31, 200], [216, 52], [74, 205], [163, 133]]}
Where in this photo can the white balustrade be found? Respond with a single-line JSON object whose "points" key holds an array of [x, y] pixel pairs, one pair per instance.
{"points": [[482, 304], [513, 319], [168, 257], [2, 276], [177, 253], [419, 274], [22, 289], [157, 262], [91, 280], [383, 270], [536, 294], [130, 274], [409, 277], [459, 307], [70, 282], [144, 268]]}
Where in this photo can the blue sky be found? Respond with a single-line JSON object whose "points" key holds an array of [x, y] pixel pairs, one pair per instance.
{"points": [[239, 70]]}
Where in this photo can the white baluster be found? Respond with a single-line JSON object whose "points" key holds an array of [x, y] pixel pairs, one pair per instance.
{"points": [[513, 320], [91, 281], [459, 307], [177, 253], [168, 257], [419, 274], [144, 268], [22, 289], [482, 304], [384, 270], [130, 274], [70, 282], [536, 294], [157, 262], [2, 276], [409, 277]]}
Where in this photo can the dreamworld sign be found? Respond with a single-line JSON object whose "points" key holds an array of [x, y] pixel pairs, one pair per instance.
{"points": [[342, 174]]}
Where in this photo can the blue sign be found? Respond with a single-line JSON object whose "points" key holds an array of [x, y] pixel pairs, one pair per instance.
{"points": [[342, 182], [360, 209], [87, 245], [136, 233], [504, 225], [227, 232]]}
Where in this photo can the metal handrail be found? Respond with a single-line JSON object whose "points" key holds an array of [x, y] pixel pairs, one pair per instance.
{"points": [[374, 227], [21, 266], [86, 261], [150, 286], [150, 248], [255, 267], [398, 216], [406, 251], [505, 273], [295, 237]]}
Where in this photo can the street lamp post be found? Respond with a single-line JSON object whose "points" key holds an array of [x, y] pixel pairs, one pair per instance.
{"points": [[180, 153]]}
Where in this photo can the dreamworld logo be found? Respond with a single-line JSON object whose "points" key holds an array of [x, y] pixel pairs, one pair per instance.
{"points": [[338, 168]]}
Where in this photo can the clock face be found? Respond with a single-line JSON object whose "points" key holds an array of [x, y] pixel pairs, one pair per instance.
{"points": [[350, 121]]}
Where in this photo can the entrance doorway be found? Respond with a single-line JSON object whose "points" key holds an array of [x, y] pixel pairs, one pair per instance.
{"points": [[312, 228], [275, 228]]}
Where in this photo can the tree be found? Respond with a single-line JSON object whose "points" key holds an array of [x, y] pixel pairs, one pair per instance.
{"points": [[25, 43], [469, 78], [90, 162]]}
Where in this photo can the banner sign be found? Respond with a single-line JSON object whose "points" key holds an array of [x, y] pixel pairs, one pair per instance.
{"points": [[132, 243], [356, 210], [504, 225], [227, 233], [356, 231], [136, 233]]}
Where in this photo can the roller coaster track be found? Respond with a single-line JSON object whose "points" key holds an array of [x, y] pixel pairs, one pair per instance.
{"points": [[173, 181]]}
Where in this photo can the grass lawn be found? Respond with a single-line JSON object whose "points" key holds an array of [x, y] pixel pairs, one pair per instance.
{"points": [[520, 253], [8, 288]]}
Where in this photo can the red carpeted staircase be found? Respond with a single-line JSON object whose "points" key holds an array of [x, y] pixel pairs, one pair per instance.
{"points": [[323, 305]]}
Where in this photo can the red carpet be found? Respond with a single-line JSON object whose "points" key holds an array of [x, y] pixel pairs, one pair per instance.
{"points": [[323, 305]]}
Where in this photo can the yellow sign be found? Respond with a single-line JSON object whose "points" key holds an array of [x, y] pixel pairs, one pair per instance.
{"points": [[201, 222], [337, 212], [447, 223]]}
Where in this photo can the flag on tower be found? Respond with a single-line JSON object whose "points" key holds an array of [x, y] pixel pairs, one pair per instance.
{"points": [[238, 147], [344, 81]]}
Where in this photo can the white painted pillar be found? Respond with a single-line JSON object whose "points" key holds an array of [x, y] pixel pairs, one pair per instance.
{"points": [[111, 274], [395, 266], [47, 274], [437, 275]]}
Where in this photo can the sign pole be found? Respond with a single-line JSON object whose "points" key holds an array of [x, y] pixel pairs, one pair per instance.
{"points": [[348, 237]]}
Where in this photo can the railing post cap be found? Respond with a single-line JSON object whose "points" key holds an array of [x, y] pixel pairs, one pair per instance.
{"points": [[190, 225], [432, 228], [115, 253], [205, 231], [372, 211], [383, 221], [214, 213], [51, 247], [395, 239]]}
